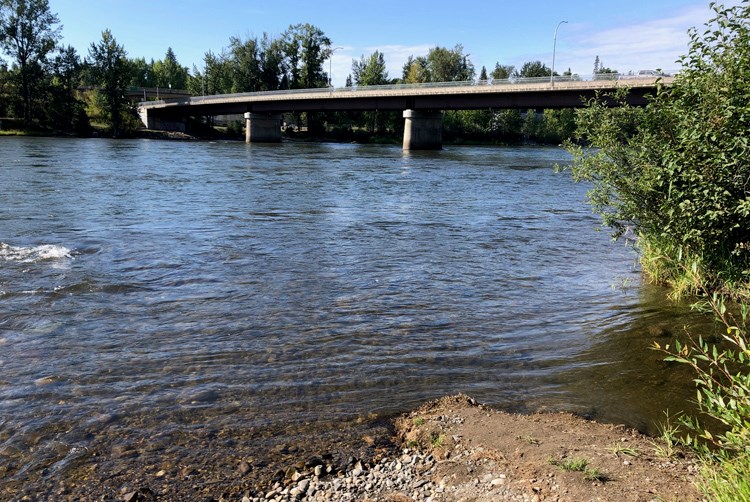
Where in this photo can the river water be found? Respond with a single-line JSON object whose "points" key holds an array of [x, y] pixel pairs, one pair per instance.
{"points": [[150, 287]]}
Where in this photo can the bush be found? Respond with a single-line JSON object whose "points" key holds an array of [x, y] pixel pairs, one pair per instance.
{"points": [[723, 394], [675, 175]]}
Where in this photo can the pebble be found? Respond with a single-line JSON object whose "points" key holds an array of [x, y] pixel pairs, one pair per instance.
{"points": [[408, 478]]}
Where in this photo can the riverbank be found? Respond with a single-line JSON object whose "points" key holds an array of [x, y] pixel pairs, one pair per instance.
{"points": [[454, 449], [450, 449]]}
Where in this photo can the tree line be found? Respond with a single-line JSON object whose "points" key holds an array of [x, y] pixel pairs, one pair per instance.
{"points": [[50, 86]]}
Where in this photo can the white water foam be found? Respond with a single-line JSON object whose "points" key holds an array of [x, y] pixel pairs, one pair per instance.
{"points": [[33, 254]]}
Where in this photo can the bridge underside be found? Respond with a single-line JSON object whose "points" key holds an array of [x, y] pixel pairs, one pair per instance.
{"points": [[419, 111]]}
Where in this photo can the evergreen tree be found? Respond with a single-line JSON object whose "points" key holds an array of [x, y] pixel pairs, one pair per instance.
{"points": [[483, 75], [111, 72]]}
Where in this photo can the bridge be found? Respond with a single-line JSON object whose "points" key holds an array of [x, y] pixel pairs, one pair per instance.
{"points": [[421, 104]]}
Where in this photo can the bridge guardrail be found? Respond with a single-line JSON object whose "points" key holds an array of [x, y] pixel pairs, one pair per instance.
{"points": [[425, 85]]}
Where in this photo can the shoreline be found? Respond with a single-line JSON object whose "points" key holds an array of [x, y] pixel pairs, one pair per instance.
{"points": [[448, 449]]}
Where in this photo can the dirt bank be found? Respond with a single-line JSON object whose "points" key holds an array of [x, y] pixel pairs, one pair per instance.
{"points": [[451, 449]]}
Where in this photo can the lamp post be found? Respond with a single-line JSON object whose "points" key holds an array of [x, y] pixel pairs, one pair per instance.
{"points": [[554, 47], [330, 63]]}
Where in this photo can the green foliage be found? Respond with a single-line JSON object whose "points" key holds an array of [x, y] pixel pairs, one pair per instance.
{"points": [[502, 72], [728, 481], [440, 65], [570, 464], [675, 173], [28, 34], [370, 70], [576, 464], [722, 380], [110, 70], [436, 440], [167, 73], [534, 69], [668, 441]]}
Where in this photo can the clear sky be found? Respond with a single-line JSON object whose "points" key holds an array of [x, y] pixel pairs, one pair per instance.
{"points": [[625, 34]]}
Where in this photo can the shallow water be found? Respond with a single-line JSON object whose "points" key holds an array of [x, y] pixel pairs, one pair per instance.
{"points": [[147, 286]]}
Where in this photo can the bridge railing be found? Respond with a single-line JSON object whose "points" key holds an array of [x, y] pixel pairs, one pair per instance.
{"points": [[603, 77]]}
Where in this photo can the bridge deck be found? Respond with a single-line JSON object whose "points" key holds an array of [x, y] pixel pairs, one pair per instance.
{"points": [[536, 93]]}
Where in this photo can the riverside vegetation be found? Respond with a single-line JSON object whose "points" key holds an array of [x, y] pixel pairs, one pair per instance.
{"points": [[48, 88], [675, 177]]}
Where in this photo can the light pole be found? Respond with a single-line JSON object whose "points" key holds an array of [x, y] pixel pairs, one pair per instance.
{"points": [[554, 47], [330, 70]]}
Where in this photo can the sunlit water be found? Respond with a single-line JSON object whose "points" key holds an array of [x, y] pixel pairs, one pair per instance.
{"points": [[142, 282]]}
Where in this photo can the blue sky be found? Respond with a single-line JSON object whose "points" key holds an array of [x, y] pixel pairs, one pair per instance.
{"points": [[625, 34]]}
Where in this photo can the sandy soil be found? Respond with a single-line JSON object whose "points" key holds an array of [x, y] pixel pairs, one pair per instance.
{"points": [[522, 456]]}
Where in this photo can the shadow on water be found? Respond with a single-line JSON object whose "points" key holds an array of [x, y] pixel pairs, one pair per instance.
{"points": [[622, 379]]}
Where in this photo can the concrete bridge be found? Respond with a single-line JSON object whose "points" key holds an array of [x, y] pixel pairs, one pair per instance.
{"points": [[421, 104]]}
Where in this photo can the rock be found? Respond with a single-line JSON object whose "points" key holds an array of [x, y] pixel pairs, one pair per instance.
{"points": [[303, 485], [244, 468], [318, 470]]}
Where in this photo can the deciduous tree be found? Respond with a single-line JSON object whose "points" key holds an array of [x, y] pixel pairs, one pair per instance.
{"points": [[28, 33], [370, 70], [502, 72], [534, 69]]}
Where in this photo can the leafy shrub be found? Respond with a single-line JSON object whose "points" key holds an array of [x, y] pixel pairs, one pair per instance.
{"points": [[675, 175]]}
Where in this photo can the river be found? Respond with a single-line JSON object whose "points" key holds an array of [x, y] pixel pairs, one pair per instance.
{"points": [[151, 288]]}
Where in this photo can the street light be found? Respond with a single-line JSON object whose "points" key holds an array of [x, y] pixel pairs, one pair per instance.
{"points": [[554, 46], [330, 71]]}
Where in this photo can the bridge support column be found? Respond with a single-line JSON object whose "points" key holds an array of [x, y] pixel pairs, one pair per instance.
{"points": [[262, 127], [423, 130]]}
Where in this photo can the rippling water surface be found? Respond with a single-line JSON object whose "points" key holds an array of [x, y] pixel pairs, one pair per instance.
{"points": [[142, 282]]}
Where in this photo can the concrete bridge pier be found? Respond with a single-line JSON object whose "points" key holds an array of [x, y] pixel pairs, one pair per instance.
{"points": [[423, 130], [262, 127]]}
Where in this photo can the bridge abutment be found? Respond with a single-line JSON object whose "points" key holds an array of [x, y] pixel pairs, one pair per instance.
{"points": [[262, 127], [162, 124], [423, 130]]}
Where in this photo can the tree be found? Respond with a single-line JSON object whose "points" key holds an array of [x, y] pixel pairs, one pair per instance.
{"points": [[4, 89], [307, 48], [66, 111], [415, 70], [674, 174], [168, 73], [370, 70], [28, 34], [111, 71], [449, 65], [502, 72], [534, 69], [601, 72], [245, 64], [272, 63], [440, 65], [483, 75]]}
